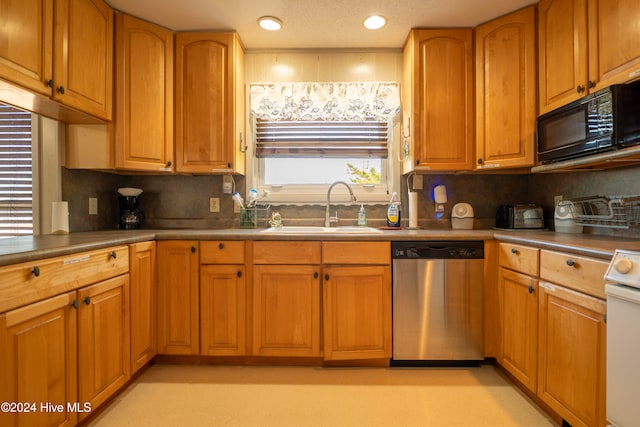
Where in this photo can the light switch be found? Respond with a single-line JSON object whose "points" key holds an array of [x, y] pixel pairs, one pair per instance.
{"points": [[93, 206], [214, 205]]}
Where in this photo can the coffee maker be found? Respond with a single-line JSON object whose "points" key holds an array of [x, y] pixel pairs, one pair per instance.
{"points": [[130, 216]]}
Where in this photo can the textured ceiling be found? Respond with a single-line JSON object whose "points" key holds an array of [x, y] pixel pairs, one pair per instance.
{"points": [[317, 24]]}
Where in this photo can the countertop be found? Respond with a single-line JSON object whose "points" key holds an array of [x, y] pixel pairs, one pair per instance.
{"points": [[28, 248]]}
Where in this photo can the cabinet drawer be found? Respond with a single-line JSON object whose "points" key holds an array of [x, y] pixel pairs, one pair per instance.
{"points": [[573, 271], [356, 253], [221, 252], [286, 252], [28, 282], [519, 258]]}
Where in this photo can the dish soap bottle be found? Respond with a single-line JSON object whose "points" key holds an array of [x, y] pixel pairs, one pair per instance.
{"points": [[393, 213], [362, 218]]}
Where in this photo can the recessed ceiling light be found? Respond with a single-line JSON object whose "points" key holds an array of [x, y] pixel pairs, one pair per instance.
{"points": [[270, 23], [374, 22]]}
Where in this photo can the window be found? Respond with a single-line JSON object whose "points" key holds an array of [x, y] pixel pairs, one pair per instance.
{"points": [[309, 135], [16, 176]]}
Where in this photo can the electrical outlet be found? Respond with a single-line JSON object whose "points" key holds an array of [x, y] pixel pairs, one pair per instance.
{"points": [[557, 199], [416, 182], [214, 205], [93, 206], [236, 207]]}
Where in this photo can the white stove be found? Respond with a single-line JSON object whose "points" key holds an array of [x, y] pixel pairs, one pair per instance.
{"points": [[623, 339]]}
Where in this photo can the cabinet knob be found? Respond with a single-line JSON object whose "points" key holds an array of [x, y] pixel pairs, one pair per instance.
{"points": [[514, 251], [571, 262], [61, 90], [239, 274], [531, 289], [480, 161], [326, 277], [315, 275], [49, 83], [417, 161], [220, 246], [87, 300], [169, 164], [591, 84], [74, 304], [36, 271], [193, 249], [580, 89], [113, 255], [229, 165]]}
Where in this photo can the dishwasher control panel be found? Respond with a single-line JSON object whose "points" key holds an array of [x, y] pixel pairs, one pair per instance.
{"points": [[438, 250]]}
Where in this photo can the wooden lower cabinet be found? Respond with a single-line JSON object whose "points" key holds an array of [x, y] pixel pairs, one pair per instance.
{"points": [[103, 340], [518, 301], [178, 307], [222, 310], [357, 312], [143, 296], [28, 335], [286, 310], [571, 354]]}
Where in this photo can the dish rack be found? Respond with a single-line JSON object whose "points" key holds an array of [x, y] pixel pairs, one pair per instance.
{"points": [[256, 216], [606, 211]]}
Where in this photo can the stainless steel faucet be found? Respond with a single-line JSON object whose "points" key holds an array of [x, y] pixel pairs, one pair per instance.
{"points": [[328, 220]]}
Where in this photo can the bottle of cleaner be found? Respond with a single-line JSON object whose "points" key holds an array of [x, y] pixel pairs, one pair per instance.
{"points": [[393, 213], [362, 218]]}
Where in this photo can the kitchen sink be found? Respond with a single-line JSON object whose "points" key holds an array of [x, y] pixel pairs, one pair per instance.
{"points": [[294, 229]]}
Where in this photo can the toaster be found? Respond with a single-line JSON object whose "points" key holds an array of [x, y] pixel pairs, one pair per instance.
{"points": [[520, 216]]}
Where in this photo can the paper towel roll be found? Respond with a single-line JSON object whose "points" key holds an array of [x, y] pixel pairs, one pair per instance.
{"points": [[413, 209], [59, 218]]}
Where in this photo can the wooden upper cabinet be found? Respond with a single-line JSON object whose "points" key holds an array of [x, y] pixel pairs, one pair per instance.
{"points": [[83, 56], [614, 51], [144, 95], [438, 100], [505, 59], [209, 103], [584, 46], [26, 58], [562, 52]]}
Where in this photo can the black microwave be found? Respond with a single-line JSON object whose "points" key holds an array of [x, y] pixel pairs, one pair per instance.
{"points": [[608, 119]]}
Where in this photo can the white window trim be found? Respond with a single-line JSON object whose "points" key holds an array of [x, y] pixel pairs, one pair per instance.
{"points": [[317, 194]]}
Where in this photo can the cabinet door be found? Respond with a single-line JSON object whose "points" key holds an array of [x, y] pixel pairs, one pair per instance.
{"points": [[439, 72], [103, 340], [38, 360], [222, 310], [178, 315], [26, 59], [571, 354], [206, 86], [519, 321], [83, 56], [506, 91], [614, 51], [286, 310], [357, 312], [144, 95], [562, 52], [144, 341]]}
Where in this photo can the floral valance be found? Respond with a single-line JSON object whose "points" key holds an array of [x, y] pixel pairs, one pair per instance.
{"points": [[333, 101]]}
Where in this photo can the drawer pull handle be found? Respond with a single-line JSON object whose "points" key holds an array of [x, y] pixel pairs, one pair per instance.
{"points": [[220, 246], [571, 263], [87, 300], [514, 251], [36, 271], [239, 273], [113, 255], [74, 304], [531, 289]]}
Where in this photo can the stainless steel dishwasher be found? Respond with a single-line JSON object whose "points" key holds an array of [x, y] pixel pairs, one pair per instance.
{"points": [[437, 302]]}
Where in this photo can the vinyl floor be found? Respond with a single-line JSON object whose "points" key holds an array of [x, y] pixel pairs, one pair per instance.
{"points": [[180, 395]]}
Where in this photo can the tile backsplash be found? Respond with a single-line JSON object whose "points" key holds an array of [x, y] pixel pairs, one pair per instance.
{"points": [[182, 201]]}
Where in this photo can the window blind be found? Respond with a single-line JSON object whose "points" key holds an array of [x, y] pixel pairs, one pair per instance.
{"points": [[16, 190], [338, 139]]}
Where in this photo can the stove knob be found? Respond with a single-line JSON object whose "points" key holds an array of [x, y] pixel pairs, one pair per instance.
{"points": [[623, 265]]}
